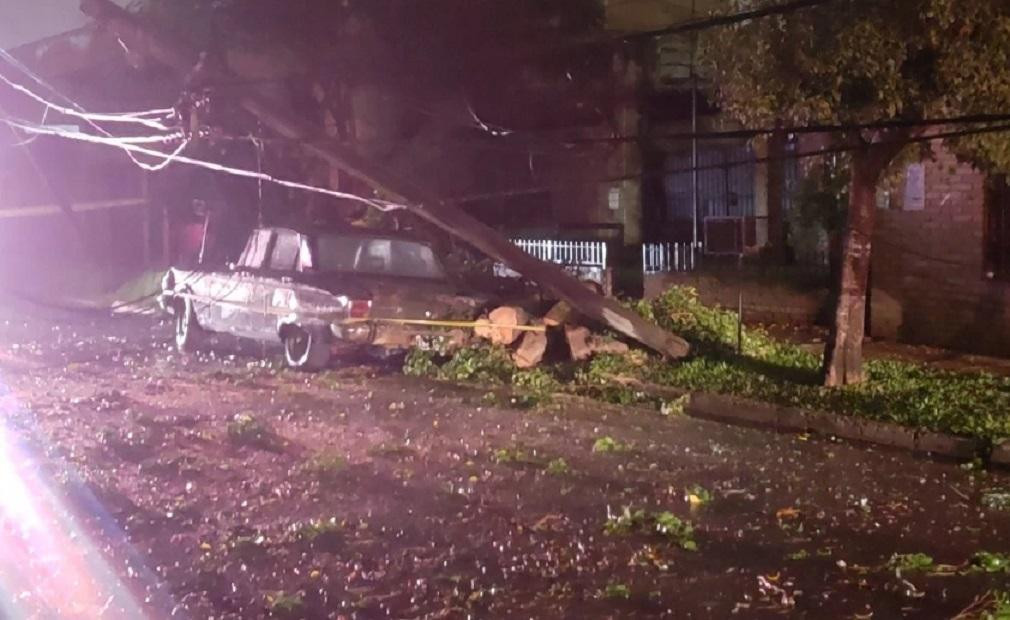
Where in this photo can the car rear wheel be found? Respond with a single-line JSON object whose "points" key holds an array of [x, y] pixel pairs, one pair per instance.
{"points": [[187, 331], [306, 349]]}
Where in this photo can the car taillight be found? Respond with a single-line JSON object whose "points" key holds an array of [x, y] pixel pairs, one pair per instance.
{"points": [[359, 308]]}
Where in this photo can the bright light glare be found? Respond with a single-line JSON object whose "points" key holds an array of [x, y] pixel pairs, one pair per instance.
{"points": [[50, 565]]}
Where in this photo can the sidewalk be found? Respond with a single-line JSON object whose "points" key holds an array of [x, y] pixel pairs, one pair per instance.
{"points": [[812, 339]]}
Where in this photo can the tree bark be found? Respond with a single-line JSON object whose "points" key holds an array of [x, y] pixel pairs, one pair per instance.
{"points": [[843, 353], [420, 201]]}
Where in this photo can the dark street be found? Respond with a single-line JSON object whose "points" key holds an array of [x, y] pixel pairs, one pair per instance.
{"points": [[241, 489], [467, 309]]}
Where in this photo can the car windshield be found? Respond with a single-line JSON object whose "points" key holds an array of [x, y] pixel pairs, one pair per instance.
{"points": [[393, 257]]}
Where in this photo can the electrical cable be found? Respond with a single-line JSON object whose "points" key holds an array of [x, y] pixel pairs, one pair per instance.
{"points": [[17, 64], [716, 21], [25, 126], [127, 146], [165, 157], [897, 123], [731, 164], [88, 116]]}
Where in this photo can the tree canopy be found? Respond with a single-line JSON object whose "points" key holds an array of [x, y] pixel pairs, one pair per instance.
{"points": [[851, 62], [855, 61]]}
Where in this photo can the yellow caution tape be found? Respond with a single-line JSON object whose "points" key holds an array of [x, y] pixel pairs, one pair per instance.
{"points": [[434, 323]]}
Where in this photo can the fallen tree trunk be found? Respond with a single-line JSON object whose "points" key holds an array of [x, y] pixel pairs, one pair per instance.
{"points": [[558, 315], [502, 319], [583, 344], [426, 205], [531, 350]]}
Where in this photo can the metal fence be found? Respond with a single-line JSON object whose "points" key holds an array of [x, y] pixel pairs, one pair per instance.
{"points": [[669, 256], [584, 259], [572, 253]]}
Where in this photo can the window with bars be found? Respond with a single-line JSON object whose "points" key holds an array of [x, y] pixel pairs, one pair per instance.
{"points": [[996, 241]]}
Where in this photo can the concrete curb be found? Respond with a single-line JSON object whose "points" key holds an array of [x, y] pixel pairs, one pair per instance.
{"points": [[1000, 454], [736, 410]]}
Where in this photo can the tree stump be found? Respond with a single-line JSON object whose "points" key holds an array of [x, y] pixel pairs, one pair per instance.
{"points": [[502, 321], [531, 350]]}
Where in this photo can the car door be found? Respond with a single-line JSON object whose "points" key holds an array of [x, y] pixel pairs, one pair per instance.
{"points": [[276, 287], [238, 311]]}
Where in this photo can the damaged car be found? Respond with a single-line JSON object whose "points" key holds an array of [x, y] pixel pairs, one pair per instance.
{"points": [[315, 292]]}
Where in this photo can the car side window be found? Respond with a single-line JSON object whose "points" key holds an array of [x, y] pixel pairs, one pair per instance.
{"points": [[305, 259], [256, 250], [374, 256], [285, 253]]}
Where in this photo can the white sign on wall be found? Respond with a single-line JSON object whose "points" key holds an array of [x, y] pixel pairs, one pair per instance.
{"points": [[614, 198], [915, 188]]}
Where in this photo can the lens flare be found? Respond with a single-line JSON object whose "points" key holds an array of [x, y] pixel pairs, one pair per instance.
{"points": [[58, 545]]}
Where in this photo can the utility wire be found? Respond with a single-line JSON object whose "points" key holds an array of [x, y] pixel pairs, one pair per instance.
{"points": [[133, 145], [897, 123], [26, 126], [17, 64], [166, 158], [127, 118], [727, 20], [733, 163]]}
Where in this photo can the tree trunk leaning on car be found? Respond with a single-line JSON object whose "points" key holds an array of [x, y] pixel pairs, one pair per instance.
{"points": [[414, 196]]}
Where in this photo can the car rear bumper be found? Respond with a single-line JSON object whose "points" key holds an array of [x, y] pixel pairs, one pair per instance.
{"points": [[357, 333]]}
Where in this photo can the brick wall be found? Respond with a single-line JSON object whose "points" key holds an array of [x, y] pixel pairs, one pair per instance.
{"points": [[928, 280]]}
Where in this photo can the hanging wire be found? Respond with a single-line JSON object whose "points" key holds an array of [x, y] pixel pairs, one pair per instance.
{"points": [[166, 158], [26, 126]]}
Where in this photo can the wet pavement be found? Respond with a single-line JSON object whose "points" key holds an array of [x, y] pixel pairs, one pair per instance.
{"points": [[217, 486]]}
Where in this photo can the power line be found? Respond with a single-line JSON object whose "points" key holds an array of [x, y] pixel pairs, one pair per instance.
{"points": [[732, 164], [897, 123], [166, 158], [17, 64], [728, 20], [137, 118], [25, 126]]}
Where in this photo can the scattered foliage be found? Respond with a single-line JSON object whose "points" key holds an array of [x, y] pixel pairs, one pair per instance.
{"points": [[990, 562], [996, 500], [510, 455], [697, 495], [911, 562], [674, 407], [285, 605], [667, 524], [676, 529], [246, 430], [315, 529], [625, 522], [783, 373], [558, 467], [420, 363], [327, 464], [608, 444], [993, 605], [617, 590], [486, 365]]}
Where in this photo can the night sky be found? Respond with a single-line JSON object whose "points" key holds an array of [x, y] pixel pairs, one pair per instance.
{"points": [[24, 21]]}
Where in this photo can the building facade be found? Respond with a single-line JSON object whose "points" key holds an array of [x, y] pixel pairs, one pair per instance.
{"points": [[941, 265]]}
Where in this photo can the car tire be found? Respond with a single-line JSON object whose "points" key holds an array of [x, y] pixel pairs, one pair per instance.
{"points": [[306, 349], [187, 330]]}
